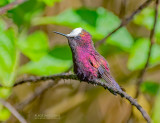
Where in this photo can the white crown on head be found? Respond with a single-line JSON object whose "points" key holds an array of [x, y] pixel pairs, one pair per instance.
{"points": [[75, 32]]}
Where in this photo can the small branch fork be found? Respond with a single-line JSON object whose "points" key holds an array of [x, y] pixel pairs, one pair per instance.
{"points": [[142, 72], [13, 110], [95, 82], [124, 22], [11, 6]]}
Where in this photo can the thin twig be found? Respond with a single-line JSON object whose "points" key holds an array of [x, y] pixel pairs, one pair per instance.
{"points": [[11, 6], [125, 21], [142, 72], [13, 111], [96, 82], [33, 79]]}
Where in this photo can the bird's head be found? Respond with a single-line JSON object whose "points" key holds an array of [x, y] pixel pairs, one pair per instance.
{"points": [[78, 37]]}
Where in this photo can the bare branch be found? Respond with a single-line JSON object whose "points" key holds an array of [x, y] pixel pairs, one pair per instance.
{"points": [[11, 6], [142, 72], [95, 82], [44, 78], [125, 21], [13, 110]]}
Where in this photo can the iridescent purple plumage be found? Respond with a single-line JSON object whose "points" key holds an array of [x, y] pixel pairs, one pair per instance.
{"points": [[88, 63]]}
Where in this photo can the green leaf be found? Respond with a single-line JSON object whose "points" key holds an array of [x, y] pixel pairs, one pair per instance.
{"points": [[98, 22], [88, 15], [5, 92], [7, 56], [150, 87], [139, 54], [50, 2], [35, 46], [155, 54], [23, 13], [68, 18], [47, 65], [61, 52], [146, 19], [121, 39], [156, 111], [5, 2], [4, 113], [2, 25], [106, 22]]}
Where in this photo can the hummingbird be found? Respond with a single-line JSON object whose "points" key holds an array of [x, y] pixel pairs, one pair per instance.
{"points": [[89, 65]]}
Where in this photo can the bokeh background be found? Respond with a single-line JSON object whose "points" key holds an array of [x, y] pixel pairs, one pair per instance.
{"points": [[28, 47]]}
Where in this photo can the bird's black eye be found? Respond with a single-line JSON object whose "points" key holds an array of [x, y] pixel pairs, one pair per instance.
{"points": [[77, 37], [71, 37]]}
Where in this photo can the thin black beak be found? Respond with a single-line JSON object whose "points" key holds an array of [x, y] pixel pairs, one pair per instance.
{"points": [[61, 34]]}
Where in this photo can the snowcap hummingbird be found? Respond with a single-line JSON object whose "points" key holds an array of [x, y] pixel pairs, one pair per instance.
{"points": [[88, 63]]}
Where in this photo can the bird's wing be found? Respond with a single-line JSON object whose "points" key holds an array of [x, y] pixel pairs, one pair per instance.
{"points": [[104, 73], [107, 77]]}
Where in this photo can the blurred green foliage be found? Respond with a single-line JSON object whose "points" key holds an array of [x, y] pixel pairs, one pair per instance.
{"points": [[34, 46], [99, 23], [139, 54], [46, 60], [57, 50], [150, 87], [8, 54], [146, 19], [23, 14], [4, 2], [156, 111], [4, 113], [4, 92], [47, 65], [140, 49], [50, 2]]}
